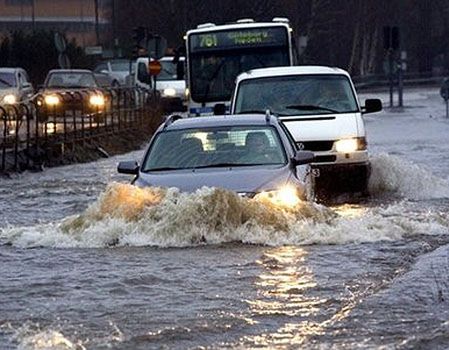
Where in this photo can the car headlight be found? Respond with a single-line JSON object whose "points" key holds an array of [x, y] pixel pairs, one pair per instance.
{"points": [[52, 100], [9, 99], [96, 100], [286, 196], [170, 92], [350, 145]]}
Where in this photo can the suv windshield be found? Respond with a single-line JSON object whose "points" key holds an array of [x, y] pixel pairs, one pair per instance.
{"points": [[215, 147], [297, 95], [7, 80], [71, 80]]}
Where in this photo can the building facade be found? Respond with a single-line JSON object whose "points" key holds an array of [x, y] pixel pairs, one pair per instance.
{"points": [[89, 22]]}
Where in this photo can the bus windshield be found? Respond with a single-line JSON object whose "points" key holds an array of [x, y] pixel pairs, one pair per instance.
{"points": [[217, 57], [213, 75]]}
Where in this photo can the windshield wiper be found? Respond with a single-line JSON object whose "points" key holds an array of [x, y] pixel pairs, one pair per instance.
{"points": [[221, 165], [161, 169], [311, 108], [5, 82]]}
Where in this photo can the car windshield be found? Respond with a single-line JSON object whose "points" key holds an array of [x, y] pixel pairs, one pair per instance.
{"points": [[168, 71], [7, 80], [297, 95], [71, 80], [235, 146], [120, 66]]}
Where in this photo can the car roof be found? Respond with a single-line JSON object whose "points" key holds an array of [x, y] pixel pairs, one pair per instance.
{"points": [[70, 71], [222, 120], [10, 69], [290, 70]]}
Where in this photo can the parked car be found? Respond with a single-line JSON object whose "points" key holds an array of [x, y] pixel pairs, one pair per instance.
{"points": [[319, 106], [15, 86], [71, 90], [117, 69], [249, 154]]}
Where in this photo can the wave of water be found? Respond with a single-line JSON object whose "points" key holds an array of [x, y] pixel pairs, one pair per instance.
{"points": [[395, 176], [128, 216]]}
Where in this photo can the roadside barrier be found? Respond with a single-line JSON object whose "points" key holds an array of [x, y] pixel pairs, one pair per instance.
{"points": [[65, 118]]}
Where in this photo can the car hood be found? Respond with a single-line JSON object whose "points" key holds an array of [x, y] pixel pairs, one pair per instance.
{"points": [[249, 180], [322, 127]]}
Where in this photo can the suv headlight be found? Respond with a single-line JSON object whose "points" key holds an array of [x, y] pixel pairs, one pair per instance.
{"points": [[350, 145], [9, 99], [170, 92], [286, 196]]}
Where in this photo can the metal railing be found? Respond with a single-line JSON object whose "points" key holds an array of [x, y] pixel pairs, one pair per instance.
{"points": [[68, 118]]}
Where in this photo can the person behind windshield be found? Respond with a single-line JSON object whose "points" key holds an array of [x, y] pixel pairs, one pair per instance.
{"points": [[331, 96], [258, 149]]}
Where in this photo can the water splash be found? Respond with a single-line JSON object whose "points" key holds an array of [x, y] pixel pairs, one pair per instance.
{"points": [[392, 175], [128, 216]]}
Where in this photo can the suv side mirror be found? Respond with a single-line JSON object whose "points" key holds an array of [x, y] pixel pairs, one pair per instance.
{"points": [[128, 167], [372, 106], [303, 157]]}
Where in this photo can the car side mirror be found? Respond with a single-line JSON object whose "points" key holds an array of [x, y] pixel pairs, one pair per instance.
{"points": [[303, 157], [372, 106], [219, 109], [26, 85], [128, 167]]}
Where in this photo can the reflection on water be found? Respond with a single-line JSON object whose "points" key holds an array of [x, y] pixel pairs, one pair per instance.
{"points": [[283, 290]]}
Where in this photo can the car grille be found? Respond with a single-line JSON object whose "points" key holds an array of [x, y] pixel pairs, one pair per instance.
{"points": [[324, 159], [316, 146]]}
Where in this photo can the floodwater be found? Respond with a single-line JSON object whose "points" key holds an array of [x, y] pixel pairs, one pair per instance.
{"points": [[89, 262]]}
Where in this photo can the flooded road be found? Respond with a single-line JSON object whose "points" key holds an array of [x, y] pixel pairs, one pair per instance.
{"points": [[89, 262]]}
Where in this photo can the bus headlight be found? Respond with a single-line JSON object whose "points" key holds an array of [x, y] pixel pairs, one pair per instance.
{"points": [[52, 100], [350, 145], [9, 99], [169, 92], [96, 100], [286, 196]]}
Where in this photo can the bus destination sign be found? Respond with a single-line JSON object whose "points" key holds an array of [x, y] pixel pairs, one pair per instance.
{"points": [[268, 36]]}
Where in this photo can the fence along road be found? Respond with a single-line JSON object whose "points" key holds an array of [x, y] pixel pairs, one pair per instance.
{"points": [[28, 130]]}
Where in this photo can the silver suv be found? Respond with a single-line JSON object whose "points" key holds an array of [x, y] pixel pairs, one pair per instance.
{"points": [[15, 86]]}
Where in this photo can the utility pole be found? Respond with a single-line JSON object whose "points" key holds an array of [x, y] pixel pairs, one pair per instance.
{"points": [[33, 15], [97, 32]]}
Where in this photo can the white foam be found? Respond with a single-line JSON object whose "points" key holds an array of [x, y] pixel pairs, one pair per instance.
{"points": [[394, 175], [125, 215]]}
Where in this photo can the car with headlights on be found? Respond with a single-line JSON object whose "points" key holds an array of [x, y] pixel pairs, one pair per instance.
{"points": [[68, 90], [319, 106], [15, 86], [169, 83], [248, 154]]}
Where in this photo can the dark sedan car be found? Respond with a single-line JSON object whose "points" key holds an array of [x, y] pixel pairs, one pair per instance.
{"points": [[69, 90], [247, 154]]}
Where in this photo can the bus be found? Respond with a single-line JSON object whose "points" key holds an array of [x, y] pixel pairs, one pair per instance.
{"points": [[216, 54]]}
